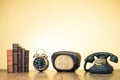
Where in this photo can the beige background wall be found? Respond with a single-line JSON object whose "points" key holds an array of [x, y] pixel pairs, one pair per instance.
{"points": [[84, 26]]}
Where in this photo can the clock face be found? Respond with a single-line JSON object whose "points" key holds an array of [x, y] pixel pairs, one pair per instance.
{"points": [[39, 63], [64, 62]]}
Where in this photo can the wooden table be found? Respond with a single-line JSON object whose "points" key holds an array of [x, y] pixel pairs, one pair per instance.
{"points": [[53, 75]]}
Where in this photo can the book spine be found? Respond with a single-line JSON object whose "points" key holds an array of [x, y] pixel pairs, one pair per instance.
{"points": [[9, 61], [15, 53], [26, 68], [19, 59], [23, 59]]}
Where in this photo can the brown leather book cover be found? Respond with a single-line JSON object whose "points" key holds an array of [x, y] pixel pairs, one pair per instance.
{"points": [[9, 61], [15, 53], [26, 67], [19, 59], [23, 59]]}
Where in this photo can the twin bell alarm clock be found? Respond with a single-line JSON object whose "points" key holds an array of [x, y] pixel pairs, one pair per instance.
{"points": [[66, 61], [40, 62]]}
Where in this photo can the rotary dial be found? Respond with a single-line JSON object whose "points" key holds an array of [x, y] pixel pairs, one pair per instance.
{"points": [[100, 61]]}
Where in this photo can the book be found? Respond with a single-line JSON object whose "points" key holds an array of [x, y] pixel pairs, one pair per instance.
{"points": [[15, 53], [9, 61], [19, 59], [23, 59], [26, 62]]}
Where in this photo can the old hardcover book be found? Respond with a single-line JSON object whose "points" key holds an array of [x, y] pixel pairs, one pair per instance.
{"points": [[19, 59], [23, 60], [26, 63], [9, 61], [15, 53]]}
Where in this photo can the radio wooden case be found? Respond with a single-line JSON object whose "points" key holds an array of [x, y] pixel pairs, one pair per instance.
{"points": [[66, 61]]}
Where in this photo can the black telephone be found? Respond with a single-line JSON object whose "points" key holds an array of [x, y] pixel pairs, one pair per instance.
{"points": [[101, 65]]}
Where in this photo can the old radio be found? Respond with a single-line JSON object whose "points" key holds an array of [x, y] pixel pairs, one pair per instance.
{"points": [[66, 61]]}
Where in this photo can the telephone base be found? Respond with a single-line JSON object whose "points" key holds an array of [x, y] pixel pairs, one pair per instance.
{"points": [[101, 69]]}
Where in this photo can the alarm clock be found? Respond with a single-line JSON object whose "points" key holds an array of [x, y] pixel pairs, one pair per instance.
{"points": [[40, 62], [66, 61]]}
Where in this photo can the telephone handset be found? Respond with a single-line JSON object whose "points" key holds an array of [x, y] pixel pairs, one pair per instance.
{"points": [[101, 65]]}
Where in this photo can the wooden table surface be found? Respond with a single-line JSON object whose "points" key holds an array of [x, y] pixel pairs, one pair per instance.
{"points": [[53, 75]]}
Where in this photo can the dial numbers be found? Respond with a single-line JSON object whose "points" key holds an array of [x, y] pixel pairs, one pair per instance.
{"points": [[39, 63], [100, 61]]}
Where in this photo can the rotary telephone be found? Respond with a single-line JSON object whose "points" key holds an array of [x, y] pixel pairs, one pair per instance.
{"points": [[101, 65]]}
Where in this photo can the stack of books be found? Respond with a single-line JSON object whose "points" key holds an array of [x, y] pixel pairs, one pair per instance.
{"points": [[17, 59]]}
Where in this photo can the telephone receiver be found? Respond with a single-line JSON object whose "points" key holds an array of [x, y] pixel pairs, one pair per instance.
{"points": [[101, 65]]}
